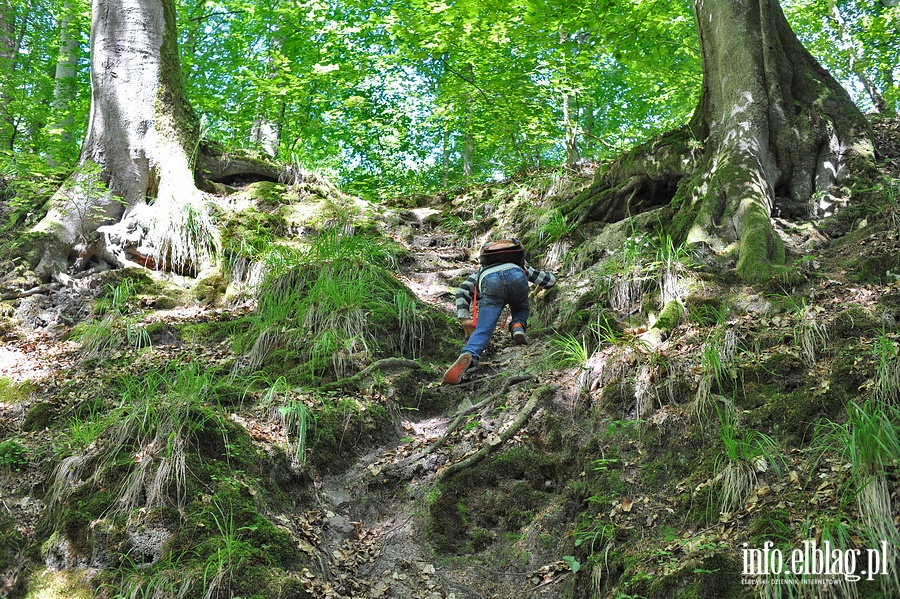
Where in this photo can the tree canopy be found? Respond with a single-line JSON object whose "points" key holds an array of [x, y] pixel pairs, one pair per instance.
{"points": [[392, 97]]}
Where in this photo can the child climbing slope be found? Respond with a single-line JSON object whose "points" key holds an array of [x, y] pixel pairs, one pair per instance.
{"points": [[502, 279]]}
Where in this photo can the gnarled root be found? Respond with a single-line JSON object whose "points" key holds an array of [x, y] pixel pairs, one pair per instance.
{"points": [[506, 435], [383, 364]]}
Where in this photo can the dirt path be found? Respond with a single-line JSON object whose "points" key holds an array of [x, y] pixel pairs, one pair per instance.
{"points": [[375, 511]]}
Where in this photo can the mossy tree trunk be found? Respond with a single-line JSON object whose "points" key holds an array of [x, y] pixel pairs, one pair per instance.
{"points": [[773, 133], [7, 68], [138, 145]]}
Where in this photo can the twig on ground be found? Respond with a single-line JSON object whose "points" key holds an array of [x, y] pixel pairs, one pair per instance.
{"points": [[33, 291], [384, 363], [506, 435], [547, 583], [460, 415]]}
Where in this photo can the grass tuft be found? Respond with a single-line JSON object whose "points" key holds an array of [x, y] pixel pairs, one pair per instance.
{"points": [[743, 455], [887, 371], [333, 307], [870, 442]]}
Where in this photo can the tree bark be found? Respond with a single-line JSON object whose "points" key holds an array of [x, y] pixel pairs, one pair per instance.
{"points": [[140, 140], [773, 134], [64, 85], [8, 51], [570, 123], [468, 152]]}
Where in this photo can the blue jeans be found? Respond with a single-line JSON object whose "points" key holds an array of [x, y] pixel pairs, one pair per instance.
{"points": [[498, 289]]}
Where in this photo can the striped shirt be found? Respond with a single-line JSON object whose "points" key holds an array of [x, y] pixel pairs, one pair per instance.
{"points": [[466, 290]]}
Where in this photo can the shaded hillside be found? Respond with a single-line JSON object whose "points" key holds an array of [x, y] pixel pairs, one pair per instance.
{"points": [[276, 427]]}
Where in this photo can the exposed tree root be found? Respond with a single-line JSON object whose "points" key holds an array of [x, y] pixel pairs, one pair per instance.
{"points": [[33, 291], [225, 168], [384, 363], [613, 201], [641, 179], [516, 425], [461, 414]]}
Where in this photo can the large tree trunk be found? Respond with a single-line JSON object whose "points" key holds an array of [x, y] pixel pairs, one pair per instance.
{"points": [[570, 120], [65, 81], [8, 50], [137, 151], [773, 134]]}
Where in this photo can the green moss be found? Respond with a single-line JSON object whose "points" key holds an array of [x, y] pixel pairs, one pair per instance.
{"points": [[655, 475], [267, 193], [12, 542], [482, 504], [670, 316], [210, 290], [138, 279], [45, 583], [29, 247], [794, 415], [719, 576], [13, 392], [142, 289], [699, 506], [342, 429], [854, 321], [248, 234], [773, 525], [39, 416], [780, 372], [705, 311], [75, 519], [874, 269], [760, 248], [211, 332]]}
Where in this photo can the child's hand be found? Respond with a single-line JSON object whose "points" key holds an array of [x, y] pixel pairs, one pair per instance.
{"points": [[467, 326]]}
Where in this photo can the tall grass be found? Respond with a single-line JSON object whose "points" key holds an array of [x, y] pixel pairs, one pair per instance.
{"points": [[554, 226], [182, 233], [891, 207], [716, 361], [646, 264], [113, 327], [631, 269], [293, 414], [809, 333], [743, 455], [229, 553], [569, 350], [887, 371], [870, 442], [295, 417], [168, 580], [151, 430], [670, 261], [333, 306]]}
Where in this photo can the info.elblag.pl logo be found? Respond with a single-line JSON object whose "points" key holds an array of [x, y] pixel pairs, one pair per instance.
{"points": [[812, 560]]}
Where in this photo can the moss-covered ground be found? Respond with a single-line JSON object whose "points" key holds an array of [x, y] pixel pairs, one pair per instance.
{"points": [[276, 427]]}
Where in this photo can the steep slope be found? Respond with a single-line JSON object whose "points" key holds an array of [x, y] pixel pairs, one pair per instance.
{"points": [[261, 431]]}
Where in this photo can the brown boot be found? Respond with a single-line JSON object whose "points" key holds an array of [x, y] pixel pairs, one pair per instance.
{"points": [[518, 334], [455, 373]]}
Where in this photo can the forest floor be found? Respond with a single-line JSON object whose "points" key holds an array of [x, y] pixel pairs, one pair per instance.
{"points": [[599, 477]]}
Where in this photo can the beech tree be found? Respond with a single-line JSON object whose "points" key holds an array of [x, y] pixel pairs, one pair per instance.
{"points": [[135, 165], [8, 46], [65, 83], [772, 130], [773, 133]]}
